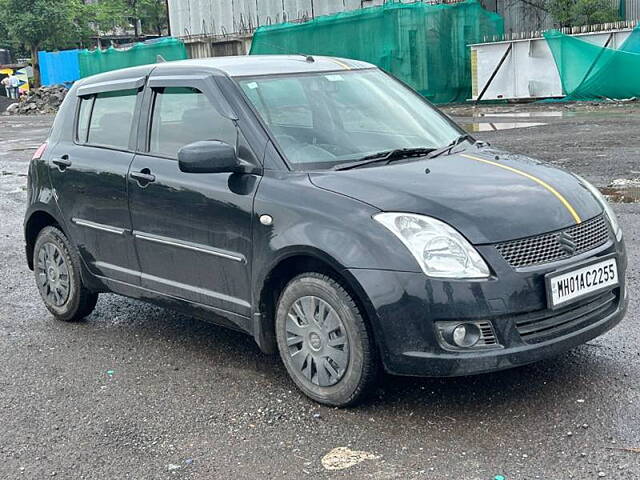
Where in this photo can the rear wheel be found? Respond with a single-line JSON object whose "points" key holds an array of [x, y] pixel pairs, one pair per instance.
{"points": [[57, 272], [324, 341]]}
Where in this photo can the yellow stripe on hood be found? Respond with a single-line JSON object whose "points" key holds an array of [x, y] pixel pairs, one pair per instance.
{"points": [[540, 182]]}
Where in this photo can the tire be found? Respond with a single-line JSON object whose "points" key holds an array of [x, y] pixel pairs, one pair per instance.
{"points": [[324, 342], [56, 266]]}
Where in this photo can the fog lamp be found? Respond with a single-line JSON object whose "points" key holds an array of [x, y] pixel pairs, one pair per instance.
{"points": [[467, 335]]}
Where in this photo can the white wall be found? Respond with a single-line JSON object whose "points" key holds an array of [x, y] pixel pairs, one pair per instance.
{"points": [[194, 17], [529, 71]]}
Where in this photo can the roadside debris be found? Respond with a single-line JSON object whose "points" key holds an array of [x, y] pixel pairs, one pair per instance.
{"points": [[622, 190], [341, 458], [626, 449], [44, 100]]}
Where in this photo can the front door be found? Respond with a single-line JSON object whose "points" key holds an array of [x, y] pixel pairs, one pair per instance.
{"points": [[192, 231], [89, 176]]}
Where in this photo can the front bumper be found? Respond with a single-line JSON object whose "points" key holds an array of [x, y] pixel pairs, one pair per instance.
{"points": [[404, 307]]}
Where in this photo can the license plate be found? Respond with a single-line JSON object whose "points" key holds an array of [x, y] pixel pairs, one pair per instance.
{"points": [[569, 286]]}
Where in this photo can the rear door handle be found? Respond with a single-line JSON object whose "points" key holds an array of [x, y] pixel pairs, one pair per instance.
{"points": [[143, 177], [63, 162]]}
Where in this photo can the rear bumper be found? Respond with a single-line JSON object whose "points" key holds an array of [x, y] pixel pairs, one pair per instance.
{"points": [[404, 308]]}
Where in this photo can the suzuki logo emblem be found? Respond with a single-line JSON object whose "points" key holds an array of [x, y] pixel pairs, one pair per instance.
{"points": [[567, 244]]}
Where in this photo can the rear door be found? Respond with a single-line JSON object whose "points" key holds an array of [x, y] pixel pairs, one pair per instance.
{"points": [[89, 176], [192, 232]]}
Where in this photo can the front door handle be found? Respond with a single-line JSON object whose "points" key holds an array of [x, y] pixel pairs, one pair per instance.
{"points": [[143, 177], [63, 162]]}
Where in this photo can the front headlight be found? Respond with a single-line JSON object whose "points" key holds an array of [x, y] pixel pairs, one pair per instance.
{"points": [[439, 249], [608, 211]]}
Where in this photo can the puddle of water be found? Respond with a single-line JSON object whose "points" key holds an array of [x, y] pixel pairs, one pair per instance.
{"points": [[493, 126], [23, 149], [622, 194], [526, 114]]}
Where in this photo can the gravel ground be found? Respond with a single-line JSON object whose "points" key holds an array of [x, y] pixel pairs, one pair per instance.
{"points": [[141, 392]]}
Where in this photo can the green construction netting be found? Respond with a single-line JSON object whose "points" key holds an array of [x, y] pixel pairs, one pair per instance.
{"points": [[589, 71], [98, 61], [424, 45]]}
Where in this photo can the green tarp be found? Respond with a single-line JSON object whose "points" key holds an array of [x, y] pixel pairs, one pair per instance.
{"points": [[98, 61], [590, 72], [424, 45]]}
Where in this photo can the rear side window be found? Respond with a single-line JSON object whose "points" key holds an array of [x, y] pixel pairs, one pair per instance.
{"points": [[182, 116], [111, 119]]}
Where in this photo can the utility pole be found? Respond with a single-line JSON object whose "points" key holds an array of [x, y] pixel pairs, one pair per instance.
{"points": [[168, 18]]}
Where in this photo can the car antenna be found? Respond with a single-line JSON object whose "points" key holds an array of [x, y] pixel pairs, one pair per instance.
{"points": [[307, 57]]}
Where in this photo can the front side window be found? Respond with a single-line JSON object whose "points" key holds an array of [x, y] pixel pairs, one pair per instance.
{"points": [[327, 118], [182, 116], [112, 119]]}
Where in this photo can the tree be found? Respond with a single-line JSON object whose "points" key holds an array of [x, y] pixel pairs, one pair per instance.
{"points": [[144, 16], [590, 12], [582, 12], [153, 16], [40, 23]]}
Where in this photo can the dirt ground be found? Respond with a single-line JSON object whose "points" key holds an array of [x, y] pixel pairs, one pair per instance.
{"points": [[140, 392]]}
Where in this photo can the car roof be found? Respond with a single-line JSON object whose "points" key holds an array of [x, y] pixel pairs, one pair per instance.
{"points": [[241, 66], [255, 65]]}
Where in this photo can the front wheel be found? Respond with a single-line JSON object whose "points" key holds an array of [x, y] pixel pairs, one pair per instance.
{"points": [[324, 342], [57, 272]]}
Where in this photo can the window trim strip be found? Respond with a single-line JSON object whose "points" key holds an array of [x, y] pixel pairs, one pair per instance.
{"points": [[111, 86]]}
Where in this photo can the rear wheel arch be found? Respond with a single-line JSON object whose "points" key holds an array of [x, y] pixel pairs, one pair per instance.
{"points": [[34, 225], [289, 267]]}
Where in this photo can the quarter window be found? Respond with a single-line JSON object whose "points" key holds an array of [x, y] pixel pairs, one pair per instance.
{"points": [[84, 116], [112, 119], [182, 116]]}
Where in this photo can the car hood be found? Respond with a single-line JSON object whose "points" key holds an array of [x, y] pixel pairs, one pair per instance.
{"points": [[488, 196]]}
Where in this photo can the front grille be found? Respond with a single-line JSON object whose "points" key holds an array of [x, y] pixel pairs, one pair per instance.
{"points": [[537, 327], [549, 247]]}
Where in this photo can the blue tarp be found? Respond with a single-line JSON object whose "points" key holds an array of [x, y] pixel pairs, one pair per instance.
{"points": [[59, 67]]}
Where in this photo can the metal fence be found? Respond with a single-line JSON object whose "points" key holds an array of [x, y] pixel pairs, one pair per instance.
{"points": [[223, 17]]}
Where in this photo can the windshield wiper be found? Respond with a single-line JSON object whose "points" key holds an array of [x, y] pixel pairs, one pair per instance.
{"points": [[437, 152], [386, 156]]}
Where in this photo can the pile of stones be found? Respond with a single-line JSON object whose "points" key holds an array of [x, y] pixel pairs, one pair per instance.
{"points": [[43, 100]]}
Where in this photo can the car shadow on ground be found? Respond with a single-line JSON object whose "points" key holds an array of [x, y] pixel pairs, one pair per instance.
{"points": [[568, 377]]}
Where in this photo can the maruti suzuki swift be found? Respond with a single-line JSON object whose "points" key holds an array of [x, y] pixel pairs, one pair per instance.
{"points": [[324, 208]]}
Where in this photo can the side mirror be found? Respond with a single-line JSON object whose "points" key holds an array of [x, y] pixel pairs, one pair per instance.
{"points": [[211, 156]]}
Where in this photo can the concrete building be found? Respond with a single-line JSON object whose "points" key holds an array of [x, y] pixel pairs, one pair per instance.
{"points": [[225, 27]]}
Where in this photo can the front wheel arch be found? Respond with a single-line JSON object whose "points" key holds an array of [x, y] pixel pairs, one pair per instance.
{"points": [[287, 268]]}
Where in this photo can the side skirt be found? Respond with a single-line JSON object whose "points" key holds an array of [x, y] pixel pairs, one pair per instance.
{"points": [[203, 312]]}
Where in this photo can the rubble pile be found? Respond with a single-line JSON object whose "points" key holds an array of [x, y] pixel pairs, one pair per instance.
{"points": [[39, 101]]}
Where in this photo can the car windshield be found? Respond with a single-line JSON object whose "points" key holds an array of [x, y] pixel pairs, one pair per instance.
{"points": [[325, 119]]}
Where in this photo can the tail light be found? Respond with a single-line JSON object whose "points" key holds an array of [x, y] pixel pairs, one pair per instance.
{"points": [[40, 152]]}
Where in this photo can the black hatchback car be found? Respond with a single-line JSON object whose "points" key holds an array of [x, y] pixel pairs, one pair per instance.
{"points": [[327, 210]]}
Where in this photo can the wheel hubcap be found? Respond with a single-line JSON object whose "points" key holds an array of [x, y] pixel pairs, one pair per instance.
{"points": [[317, 341], [53, 275]]}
